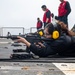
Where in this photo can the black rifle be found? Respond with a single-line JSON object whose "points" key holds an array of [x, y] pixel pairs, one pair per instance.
{"points": [[30, 38]]}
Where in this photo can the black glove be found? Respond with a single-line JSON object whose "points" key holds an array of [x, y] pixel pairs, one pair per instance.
{"points": [[56, 17]]}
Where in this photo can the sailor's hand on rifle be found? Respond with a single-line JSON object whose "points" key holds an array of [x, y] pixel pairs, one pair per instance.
{"points": [[20, 39], [23, 40], [40, 45]]}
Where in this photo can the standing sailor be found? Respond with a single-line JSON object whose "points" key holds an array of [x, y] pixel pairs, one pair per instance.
{"points": [[39, 24], [46, 16], [63, 11]]}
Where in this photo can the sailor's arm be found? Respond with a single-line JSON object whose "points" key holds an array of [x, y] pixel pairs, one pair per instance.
{"points": [[71, 33], [64, 26], [48, 14], [23, 40], [40, 49], [68, 8]]}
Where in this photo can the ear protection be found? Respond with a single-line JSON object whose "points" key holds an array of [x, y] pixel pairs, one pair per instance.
{"points": [[53, 29], [55, 33], [40, 32]]}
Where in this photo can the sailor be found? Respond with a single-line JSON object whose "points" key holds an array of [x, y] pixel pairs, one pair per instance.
{"points": [[46, 16], [63, 11], [39, 24], [57, 43], [70, 51]]}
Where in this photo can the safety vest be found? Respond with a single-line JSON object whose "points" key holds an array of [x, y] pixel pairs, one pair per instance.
{"points": [[62, 11], [39, 24], [44, 17]]}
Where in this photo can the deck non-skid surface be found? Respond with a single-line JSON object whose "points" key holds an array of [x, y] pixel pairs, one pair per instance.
{"points": [[54, 65], [6, 50], [23, 68]]}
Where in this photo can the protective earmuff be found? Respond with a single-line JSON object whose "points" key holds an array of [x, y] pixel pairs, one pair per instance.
{"points": [[41, 33], [55, 34], [53, 30]]}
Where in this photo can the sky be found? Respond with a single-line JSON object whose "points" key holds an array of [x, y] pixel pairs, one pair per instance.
{"points": [[24, 13]]}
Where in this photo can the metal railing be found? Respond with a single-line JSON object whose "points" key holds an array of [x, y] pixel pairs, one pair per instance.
{"points": [[12, 30], [33, 29], [16, 30]]}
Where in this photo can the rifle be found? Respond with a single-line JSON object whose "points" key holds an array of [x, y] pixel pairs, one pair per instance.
{"points": [[30, 38]]}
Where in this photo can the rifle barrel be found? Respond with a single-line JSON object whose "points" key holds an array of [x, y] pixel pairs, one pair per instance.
{"points": [[29, 38], [3, 36]]}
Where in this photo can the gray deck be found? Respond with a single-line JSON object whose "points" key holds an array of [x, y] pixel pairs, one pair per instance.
{"points": [[6, 50], [54, 65]]}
